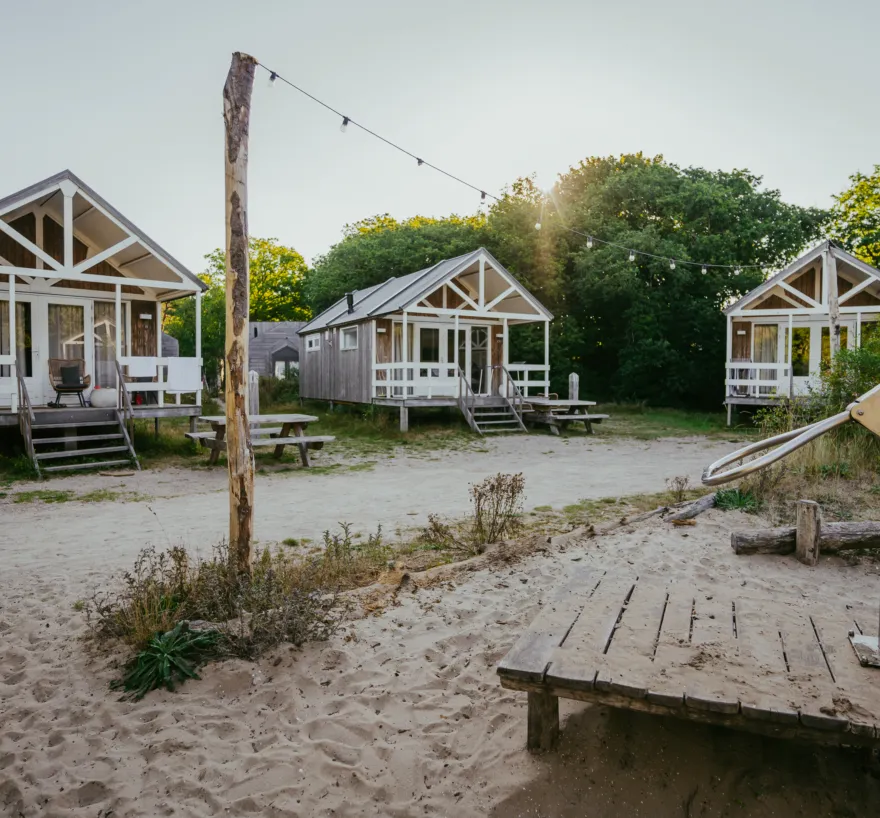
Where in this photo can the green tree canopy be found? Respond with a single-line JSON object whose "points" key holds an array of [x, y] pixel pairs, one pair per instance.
{"points": [[855, 217], [378, 248], [277, 275]]}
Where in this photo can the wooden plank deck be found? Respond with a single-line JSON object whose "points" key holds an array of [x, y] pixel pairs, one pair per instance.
{"points": [[711, 654]]}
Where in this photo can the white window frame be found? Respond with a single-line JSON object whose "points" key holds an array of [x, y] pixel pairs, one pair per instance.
{"points": [[343, 345], [313, 342]]}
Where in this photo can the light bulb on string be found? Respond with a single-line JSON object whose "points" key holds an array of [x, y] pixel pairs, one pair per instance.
{"points": [[672, 264], [589, 242], [272, 77], [537, 225], [704, 270], [632, 255], [344, 126], [420, 162], [736, 271]]}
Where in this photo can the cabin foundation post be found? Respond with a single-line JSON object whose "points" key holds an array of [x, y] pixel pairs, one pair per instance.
{"points": [[13, 349], [543, 721], [729, 412], [404, 419], [547, 359]]}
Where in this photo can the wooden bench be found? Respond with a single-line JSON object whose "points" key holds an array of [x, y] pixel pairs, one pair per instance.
{"points": [[764, 662], [557, 421], [259, 438]]}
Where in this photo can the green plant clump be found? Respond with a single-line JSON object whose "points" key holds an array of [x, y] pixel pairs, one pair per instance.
{"points": [[733, 499], [169, 658]]}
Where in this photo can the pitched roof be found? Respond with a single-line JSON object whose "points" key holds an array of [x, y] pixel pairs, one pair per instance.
{"points": [[396, 294], [28, 194], [802, 261]]}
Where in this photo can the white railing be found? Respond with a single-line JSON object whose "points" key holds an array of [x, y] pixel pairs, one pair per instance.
{"points": [[9, 360], [756, 380], [176, 376], [399, 380], [530, 376]]}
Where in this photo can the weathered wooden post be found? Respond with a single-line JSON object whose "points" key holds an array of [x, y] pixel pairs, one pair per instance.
{"points": [[253, 393], [573, 386], [808, 531], [239, 452]]}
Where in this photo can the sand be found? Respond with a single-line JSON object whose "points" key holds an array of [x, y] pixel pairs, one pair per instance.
{"points": [[401, 713]]}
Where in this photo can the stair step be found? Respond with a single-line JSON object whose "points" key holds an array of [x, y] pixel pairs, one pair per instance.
{"points": [[492, 414], [38, 426], [76, 438], [496, 422], [103, 464], [80, 452], [499, 431]]}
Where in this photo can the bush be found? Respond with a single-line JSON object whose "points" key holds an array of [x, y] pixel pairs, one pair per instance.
{"points": [[732, 499], [279, 391]]}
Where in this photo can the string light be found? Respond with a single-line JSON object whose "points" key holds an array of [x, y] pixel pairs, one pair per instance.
{"points": [[346, 121]]}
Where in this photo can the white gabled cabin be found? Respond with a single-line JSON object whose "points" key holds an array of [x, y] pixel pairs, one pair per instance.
{"points": [[79, 282], [436, 337], [781, 333]]}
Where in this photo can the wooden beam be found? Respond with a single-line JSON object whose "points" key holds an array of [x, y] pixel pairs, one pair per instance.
{"points": [[29, 245], [68, 190], [104, 254], [239, 450], [829, 266], [798, 294], [856, 290], [467, 299], [134, 261], [500, 298], [90, 209]]}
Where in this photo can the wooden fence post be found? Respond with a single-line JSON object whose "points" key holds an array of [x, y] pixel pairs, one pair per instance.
{"points": [[239, 451], [809, 527], [253, 393], [573, 386]]}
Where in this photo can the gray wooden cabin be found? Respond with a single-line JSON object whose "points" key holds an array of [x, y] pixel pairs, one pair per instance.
{"points": [[274, 347], [435, 337]]}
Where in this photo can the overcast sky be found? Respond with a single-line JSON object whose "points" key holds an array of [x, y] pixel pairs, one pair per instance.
{"points": [[128, 96]]}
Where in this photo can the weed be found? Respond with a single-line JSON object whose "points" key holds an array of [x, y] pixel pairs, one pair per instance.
{"points": [[167, 659], [678, 487], [79, 605], [44, 495], [291, 542], [731, 499], [543, 508]]}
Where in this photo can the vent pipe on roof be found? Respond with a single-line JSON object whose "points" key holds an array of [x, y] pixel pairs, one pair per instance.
{"points": [[349, 300]]}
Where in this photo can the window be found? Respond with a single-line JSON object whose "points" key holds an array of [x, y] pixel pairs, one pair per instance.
{"points": [[869, 331], [286, 369], [313, 343], [826, 343], [800, 351], [350, 338], [429, 345]]}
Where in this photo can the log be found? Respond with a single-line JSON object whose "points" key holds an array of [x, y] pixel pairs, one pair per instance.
{"points": [[807, 532], [239, 452], [696, 507], [833, 537]]}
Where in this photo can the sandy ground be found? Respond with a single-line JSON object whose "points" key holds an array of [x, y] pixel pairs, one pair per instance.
{"points": [[402, 713]]}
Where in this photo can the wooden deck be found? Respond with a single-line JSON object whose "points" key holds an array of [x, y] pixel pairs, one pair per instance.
{"points": [[75, 414], [721, 656]]}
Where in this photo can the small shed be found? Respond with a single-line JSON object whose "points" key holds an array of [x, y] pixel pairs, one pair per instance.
{"points": [[435, 337], [274, 347], [781, 333]]}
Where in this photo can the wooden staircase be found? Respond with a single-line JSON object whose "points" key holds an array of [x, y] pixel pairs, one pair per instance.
{"points": [[73, 439], [494, 415]]}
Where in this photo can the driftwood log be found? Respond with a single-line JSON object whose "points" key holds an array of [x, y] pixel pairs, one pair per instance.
{"points": [[833, 537], [693, 509]]}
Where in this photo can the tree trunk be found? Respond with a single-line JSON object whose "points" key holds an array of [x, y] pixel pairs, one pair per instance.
{"points": [[239, 452], [693, 509], [829, 265], [833, 537]]}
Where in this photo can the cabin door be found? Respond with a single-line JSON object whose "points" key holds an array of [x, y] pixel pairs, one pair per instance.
{"points": [[69, 335], [479, 360], [27, 353]]}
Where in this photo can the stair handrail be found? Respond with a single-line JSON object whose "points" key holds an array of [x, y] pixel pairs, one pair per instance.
{"points": [[517, 404], [124, 398], [26, 419], [467, 400]]}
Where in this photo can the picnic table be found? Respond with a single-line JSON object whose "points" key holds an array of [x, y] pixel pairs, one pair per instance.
{"points": [[559, 413], [757, 660], [292, 431]]}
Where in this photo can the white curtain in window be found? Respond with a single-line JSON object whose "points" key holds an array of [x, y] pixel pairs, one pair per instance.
{"points": [[66, 331], [766, 352]]}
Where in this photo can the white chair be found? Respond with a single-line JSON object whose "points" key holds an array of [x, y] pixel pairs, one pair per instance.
{"points": [[184, 375]]}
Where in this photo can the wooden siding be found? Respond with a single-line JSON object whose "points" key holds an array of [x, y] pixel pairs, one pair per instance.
{"points": [[774, 302], [862, 299], [742, 344], [143, 331], [333, 373], [265, 338], [13, 252], [806, 283]]}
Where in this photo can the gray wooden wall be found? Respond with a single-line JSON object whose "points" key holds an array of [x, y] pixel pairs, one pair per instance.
{"points": [[264, 337], [333, 373]]}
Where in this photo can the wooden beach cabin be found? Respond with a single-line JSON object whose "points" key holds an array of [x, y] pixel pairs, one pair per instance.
{"points": [[780, 334], [436, 337], [81, 294]]}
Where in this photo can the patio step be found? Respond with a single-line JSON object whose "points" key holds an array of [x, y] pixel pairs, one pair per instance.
{"points": [[99, 464], [38, 426], [80, 452], [43, 441]]}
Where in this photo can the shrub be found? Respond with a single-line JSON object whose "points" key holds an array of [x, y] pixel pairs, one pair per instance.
{"points": [[279, 391], [731, 499], [678, 487], [167, 659]]}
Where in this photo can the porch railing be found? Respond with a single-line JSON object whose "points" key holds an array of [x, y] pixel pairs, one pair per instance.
{"points": [[147, 375], [432, 380], [508, 390], [123, 402], [26, 419], [467, 400], [757, 380], [534, 377]]}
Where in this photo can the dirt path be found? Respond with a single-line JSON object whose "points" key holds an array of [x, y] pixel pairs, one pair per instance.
{"points": [[190, 507]]}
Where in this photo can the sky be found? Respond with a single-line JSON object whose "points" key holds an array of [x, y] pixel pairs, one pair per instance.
{"points": [[129, 97]]}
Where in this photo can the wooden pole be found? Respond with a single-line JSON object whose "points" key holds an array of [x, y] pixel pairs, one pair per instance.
{"points": [[239, 451], [807, 532], [830, 268]]}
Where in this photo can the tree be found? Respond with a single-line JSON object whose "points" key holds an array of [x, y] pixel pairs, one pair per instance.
{"points": [[378, 248], [277, 276], [855, 217]]}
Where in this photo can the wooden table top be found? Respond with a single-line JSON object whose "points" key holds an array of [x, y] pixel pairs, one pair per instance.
{"points": [[220, 420], [541, 401]]}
